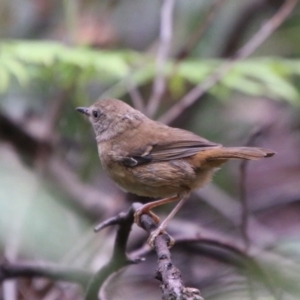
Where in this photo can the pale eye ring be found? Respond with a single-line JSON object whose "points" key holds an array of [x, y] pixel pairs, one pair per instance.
{"points": [[96, 114]]}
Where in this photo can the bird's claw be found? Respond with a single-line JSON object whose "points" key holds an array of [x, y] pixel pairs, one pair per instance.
{"points": [[139, 212], [155, 233]]}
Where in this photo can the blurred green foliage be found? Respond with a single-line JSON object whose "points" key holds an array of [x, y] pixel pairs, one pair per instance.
{"points": [[27, 61]]}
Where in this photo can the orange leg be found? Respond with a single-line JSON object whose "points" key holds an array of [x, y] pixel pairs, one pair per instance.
{"points": [[161, 228], [146, 209]]}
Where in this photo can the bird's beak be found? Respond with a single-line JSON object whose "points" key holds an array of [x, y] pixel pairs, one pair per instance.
{"points": [[84, 110]]}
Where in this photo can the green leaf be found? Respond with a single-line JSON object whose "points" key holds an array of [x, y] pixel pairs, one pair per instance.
{"points": [[31, 61], [195, 71], [177, 86], [275, 85]]}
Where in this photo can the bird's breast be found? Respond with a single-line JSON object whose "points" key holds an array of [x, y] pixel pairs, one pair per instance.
{"points": [[154, 179]]}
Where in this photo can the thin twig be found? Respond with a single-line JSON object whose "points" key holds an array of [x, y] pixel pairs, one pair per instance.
{"points": [[265, 31], [110, 222], [166, 29]]}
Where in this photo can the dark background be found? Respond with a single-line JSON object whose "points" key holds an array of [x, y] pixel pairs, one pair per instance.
{"points": [[57, 55]]}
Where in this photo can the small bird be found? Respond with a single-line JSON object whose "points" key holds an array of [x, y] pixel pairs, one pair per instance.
{"points": [[151, 159]]}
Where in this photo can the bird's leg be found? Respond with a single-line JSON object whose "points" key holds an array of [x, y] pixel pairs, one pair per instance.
{"points": [[146, 209], [161, 228]]}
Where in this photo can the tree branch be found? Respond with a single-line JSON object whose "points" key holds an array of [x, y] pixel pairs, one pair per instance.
{"points": [[171, 283]]}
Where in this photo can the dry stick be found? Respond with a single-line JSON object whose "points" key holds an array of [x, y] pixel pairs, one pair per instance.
{"points": [[265, 31], [166, 29], [171, 283]]}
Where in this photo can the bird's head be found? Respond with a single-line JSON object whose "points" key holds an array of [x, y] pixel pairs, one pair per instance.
{"points": [[111, 117]]}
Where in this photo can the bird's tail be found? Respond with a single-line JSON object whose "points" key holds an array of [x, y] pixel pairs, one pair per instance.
{"points": [[251, 153]]}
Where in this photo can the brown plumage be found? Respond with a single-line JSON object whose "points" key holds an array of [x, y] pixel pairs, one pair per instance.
{"points": [[151, 159]]}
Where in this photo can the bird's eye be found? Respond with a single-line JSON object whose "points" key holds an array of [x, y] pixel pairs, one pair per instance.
{"points": [[96, 114]]}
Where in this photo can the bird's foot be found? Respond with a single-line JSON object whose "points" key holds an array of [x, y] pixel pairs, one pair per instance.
{"points": [[144, 210], [155, 233]]}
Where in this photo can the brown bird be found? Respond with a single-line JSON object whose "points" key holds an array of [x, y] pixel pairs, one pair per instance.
{"points": [[151, 159]]}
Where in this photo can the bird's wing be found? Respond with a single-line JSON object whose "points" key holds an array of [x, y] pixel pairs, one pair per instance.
{"points": [[179, 149], [186, 144]]}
